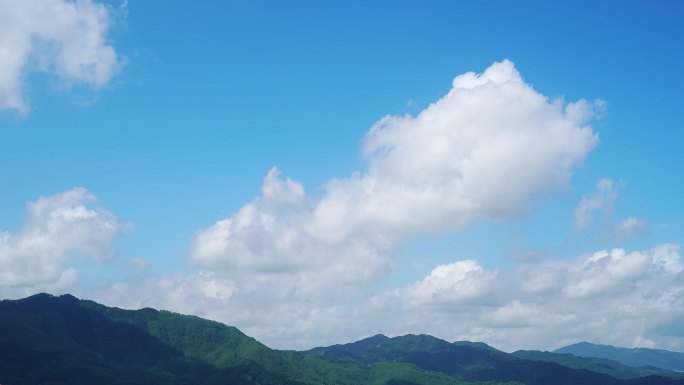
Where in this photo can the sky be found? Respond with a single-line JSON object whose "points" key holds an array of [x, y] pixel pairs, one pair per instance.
{"points": [[319, 172]]}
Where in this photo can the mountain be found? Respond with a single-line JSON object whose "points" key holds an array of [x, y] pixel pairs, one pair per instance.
{"points": [[639, 357], [471, 362], [64, 340], [599, 365]]}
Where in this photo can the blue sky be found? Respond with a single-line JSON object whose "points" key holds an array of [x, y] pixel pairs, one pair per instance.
{"points": [[148, 127]]}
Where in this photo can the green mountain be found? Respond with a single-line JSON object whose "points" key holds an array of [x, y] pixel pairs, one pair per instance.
{"points": [[64, 340], [473, 362], [639, 357]]}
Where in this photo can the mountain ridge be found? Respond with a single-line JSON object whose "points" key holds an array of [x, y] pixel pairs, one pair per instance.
{"points": [[47, 339], [658, 358], [470, 361]]}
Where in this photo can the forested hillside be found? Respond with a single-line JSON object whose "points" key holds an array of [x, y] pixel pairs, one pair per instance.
{"points": [[64, 340]]}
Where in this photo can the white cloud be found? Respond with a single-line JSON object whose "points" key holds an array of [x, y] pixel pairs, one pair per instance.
{"points": [[58, 227], [486, 150], [610, 296], [517, 314], [603, 199], [65, 38], [452, 284], [604, 272], [269, 238]]}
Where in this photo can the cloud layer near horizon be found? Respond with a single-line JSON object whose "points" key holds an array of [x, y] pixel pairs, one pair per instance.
{"points": [[609, 296], [60, 37], [620, 297]]}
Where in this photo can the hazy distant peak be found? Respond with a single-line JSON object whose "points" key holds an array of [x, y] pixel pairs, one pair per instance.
{"points": [[639, 357]]}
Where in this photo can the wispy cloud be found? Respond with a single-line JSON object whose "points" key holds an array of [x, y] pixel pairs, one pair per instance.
{"points": [[629, 228], [603, 199]]}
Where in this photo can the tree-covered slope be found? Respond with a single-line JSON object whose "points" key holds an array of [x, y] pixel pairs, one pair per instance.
{"points": [[197, 339], [58, 340]]}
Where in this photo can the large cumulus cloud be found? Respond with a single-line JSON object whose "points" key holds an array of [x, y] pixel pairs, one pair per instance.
{"points": [[488, 149]]}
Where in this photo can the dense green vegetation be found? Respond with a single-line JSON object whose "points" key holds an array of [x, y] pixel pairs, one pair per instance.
{"points": [[48, 340], [64, 340]]}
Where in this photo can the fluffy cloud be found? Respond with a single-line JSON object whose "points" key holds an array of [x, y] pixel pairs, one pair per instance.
{"points": [[456, 283], [486, 150], [57, 228], [610, 296], [270, 238], [65, 38], [605, 272]]}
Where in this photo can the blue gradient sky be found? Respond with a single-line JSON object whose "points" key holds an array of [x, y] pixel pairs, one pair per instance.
{"points": [[214, 94]]}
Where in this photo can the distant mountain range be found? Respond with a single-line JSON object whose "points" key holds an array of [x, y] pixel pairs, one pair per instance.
{"points": [[64, 340], [633, 357]]}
